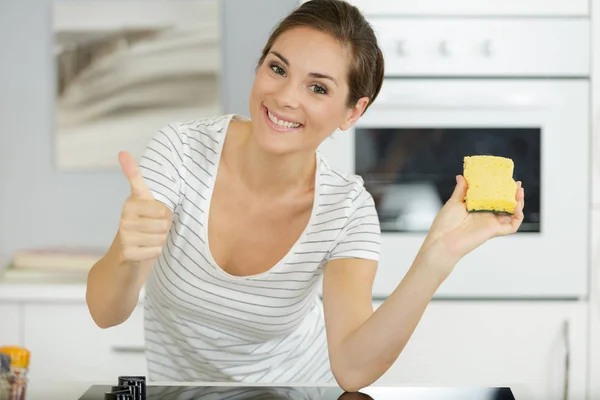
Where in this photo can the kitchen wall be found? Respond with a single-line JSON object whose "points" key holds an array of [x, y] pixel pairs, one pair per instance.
{"points": [[40, 206]]}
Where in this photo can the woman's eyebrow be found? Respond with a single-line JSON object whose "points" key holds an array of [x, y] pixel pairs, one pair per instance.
{"points": [[311, 74]]}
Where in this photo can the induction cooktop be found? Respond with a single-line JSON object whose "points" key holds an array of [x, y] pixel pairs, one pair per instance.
{"points": [[135, 388]]}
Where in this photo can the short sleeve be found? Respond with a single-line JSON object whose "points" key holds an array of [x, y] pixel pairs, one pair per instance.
{"points": [[361, 237], [161, 165]]}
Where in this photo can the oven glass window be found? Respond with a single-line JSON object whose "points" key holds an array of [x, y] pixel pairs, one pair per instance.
{"points": [[410, 172]]}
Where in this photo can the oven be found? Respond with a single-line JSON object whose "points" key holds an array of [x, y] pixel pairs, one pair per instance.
{"points": [[513, 87]]}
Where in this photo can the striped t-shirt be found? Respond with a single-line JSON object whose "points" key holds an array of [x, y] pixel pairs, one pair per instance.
{"points": [[204, 324]]}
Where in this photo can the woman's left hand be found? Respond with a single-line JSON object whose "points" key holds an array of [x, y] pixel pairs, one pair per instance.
{"points": [[457, 232]]}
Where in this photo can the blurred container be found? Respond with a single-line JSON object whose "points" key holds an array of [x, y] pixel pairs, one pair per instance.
{"points": [[5, 377], [19, 367]]}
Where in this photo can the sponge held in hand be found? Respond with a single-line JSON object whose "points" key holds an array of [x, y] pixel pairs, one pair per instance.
{"points": [[491, 187]]}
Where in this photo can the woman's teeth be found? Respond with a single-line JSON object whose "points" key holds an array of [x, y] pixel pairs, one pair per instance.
{"points": [[281, 122]]}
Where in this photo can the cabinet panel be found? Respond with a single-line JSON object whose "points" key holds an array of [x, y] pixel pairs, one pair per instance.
{"points": [[456, 343], [66, 344], [595, 162], [594, 353], [10, 324], [525, 344], [504, 8], [595, 107]]}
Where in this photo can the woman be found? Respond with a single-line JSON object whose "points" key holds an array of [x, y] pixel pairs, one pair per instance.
{"points": [[232, 222]]}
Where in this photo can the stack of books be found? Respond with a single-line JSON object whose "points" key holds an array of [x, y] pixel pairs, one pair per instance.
{"points": [[51, 265]]}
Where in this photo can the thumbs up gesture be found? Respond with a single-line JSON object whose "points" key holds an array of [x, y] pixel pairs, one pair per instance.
{"points": [[145, 222]]}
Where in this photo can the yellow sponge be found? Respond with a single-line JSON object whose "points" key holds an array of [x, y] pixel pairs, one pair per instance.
{"points": [[491, 185]]}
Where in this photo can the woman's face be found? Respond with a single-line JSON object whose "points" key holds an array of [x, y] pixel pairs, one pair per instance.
{"points": [[300, 92]]}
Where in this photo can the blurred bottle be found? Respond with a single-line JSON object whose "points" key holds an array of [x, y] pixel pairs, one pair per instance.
{"points": [[5, 377], [19, 367]]}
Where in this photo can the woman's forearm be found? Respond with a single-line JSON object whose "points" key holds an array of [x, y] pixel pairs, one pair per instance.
{"points": [[368, 352], [113, 288]]}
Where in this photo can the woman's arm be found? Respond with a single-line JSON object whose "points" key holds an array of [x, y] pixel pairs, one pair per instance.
{"points": [[114, 282], [364, 344], [113, 287]]}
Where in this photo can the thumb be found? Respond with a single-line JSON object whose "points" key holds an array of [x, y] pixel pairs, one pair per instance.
{"points": [[460, 190], [132, 173]]}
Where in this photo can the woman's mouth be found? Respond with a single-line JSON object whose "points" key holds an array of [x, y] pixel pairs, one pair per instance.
{"points": [[279, 123]]}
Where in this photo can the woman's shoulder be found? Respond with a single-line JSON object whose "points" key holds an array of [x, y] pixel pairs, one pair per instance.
{"points": [[210, 128], [342, 188], [347, 211]]}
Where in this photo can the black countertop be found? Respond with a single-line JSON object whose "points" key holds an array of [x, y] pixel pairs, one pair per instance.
{"points": [[203, 392]]}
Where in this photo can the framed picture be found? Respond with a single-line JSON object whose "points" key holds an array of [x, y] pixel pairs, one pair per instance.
{"points": [[125, 69]]}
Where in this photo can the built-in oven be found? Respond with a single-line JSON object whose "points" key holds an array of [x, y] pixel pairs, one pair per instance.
{"points": [[454, 87]]}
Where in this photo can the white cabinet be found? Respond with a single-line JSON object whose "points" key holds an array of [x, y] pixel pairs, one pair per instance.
{"points": [[498, 343], [10, 325], [595, 109], [497, 8], [596, 164], [522, 344], [595, 115], [594, 353], [594, 337], [66, 344]]}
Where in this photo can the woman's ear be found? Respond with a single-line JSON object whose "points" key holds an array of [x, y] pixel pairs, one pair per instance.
{"points": [[355, 113]]}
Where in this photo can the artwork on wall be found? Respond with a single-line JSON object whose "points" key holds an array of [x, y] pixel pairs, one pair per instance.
{"points": [[124, 69]]}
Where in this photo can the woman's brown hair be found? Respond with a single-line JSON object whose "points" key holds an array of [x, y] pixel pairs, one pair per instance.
{"points": [[345, 23]]}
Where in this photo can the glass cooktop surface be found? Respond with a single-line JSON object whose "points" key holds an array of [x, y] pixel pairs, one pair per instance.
{"points": [[97, 392]]}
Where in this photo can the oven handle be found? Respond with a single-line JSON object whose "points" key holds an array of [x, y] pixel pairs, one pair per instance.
{"points": [[462, 101], [567, 360], [127, 349]]}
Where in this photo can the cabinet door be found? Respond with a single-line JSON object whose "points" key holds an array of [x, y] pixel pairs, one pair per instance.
{"points": [[539, 348], [594, 353], [595, 164], [595, 108], [10, 324], [66, 344], [463, 8]]}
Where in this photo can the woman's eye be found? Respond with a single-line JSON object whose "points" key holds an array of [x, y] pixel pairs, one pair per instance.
{"points": [[319, 89], [277, 69]]}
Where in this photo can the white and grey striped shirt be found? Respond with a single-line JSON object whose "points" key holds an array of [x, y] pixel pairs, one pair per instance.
{"points": [[203, 324]]}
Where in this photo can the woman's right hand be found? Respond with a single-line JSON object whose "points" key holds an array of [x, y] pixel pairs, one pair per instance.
{"points": [[145, 222]]}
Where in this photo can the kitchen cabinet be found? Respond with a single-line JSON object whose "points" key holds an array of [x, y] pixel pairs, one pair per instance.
{"points": [[506, 8], [66, 344], [594, 311], [594, 298], [595, 96], [595, 164], [459, 342], [595, 170], [537, 345], [456, 343], [10, 324]]}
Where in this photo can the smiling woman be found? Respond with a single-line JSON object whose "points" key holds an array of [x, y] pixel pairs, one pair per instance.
{"points": [[233, 222]]}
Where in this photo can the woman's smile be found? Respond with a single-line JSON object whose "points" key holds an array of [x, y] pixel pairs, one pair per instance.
{"points": [[280, 123]]}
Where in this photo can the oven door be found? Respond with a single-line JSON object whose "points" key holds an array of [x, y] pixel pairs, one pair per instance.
{"points": [[410, 144]]}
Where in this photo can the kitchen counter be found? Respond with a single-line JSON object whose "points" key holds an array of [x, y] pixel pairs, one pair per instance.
{"points": [[53, 390], [75, 390], [16, 292], [46, 291]]}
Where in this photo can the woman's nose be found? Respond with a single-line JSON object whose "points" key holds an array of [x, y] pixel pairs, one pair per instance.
{"points": [[288, 95]]}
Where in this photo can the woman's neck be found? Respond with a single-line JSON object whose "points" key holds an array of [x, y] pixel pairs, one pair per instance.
{"points": [[271, 174]]}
